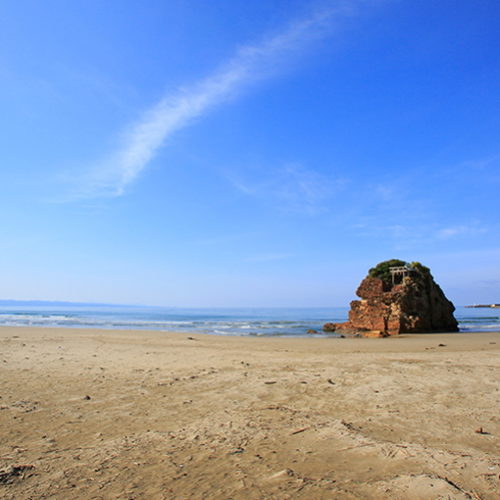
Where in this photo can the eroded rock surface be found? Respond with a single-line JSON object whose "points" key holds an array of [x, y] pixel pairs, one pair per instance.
{"points": [[414, 304]]}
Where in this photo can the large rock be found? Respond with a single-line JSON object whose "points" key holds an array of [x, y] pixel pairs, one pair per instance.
{"points": [[409, 302]]}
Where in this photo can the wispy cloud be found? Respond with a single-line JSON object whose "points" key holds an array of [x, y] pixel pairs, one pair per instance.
{"points": [[446, 233], [416, 233], [268, 257], [293, 188], [238, 238], [177, 110], [490, 162]]}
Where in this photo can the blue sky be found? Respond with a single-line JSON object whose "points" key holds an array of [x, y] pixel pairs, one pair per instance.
{"points": [[235, 153]]}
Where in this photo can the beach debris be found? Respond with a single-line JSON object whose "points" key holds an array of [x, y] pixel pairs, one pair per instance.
{"points": [[270, 382], [398, 297], [298, 431], [468, 494], [237, 450], [191, 338], [87, 398], [354, 447], [441, 345], [349, 425], [282, 474], [8, 476], [330, 381], [480, 430], [26, 406]]}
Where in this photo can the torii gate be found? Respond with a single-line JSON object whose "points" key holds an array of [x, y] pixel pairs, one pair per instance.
{"points": [[402, 271]]}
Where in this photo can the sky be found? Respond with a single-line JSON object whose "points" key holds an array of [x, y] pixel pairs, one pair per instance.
{"points": [[232, 153]]}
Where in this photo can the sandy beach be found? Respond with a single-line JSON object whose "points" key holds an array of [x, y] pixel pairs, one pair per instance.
{"points": [[153, 415]]}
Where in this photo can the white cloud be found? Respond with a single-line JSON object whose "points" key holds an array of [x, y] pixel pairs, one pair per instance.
{"points": [[175, 111]]}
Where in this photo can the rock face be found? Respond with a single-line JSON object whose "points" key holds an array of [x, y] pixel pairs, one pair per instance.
{"points": [[408, 302]]}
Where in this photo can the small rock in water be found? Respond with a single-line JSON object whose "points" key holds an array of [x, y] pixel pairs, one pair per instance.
{"points": [[311, 331], [329, 327]]}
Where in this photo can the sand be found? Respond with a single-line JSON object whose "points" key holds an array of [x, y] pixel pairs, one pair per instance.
{"points": [[153, 415]]}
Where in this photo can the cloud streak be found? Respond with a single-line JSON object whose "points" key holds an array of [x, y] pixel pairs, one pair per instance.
{"points": [[293, 188], [175, 111], [268, 257], [446, 233]]}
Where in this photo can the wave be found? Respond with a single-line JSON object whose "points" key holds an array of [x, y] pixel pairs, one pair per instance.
{"points": [[222, 327]]}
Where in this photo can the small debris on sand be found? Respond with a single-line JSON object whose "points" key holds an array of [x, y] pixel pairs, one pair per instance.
{"points": [[298, 431], [9, 475], [238, 450], [282, 474]]}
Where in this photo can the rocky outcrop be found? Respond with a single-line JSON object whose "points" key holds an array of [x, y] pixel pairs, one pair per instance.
{"points": [[414, 304]]}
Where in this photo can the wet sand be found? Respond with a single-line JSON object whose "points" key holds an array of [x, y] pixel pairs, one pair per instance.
{"points": [[153, 415]]}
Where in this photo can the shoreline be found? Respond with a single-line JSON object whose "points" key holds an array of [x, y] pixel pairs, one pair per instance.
{"points": [[318, 335], [151, 414]]}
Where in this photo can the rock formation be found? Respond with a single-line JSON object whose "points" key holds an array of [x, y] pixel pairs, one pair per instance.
{"points": [[397, 297]]}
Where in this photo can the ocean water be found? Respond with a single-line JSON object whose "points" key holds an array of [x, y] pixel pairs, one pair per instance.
{"points": [[245, 321]]}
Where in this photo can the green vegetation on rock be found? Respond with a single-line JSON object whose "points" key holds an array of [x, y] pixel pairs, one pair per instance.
{"points": [[420, 267], [382, 270]]}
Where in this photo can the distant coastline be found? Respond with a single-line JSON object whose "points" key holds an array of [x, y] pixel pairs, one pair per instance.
{"points": [[58, 303], [478, 306]]}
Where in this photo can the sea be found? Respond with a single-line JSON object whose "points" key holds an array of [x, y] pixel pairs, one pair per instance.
{"points": [[285, 322]]}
